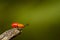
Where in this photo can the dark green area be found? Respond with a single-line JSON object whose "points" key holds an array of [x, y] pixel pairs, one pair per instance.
{"points": [[42, 15]]}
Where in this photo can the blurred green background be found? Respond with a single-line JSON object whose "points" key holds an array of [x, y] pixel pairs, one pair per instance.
{"points": [[42, 15]]}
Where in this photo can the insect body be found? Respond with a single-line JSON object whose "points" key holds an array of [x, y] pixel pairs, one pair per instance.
{"points": [[16, 29]]}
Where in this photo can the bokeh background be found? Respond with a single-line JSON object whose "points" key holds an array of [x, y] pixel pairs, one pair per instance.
{"points": [[43, 17]]}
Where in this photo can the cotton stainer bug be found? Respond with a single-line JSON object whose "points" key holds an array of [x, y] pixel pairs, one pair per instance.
{"points": [[16, 29]]}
